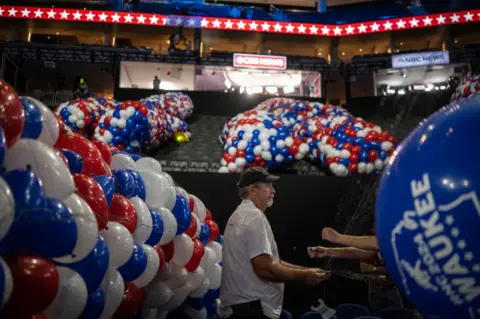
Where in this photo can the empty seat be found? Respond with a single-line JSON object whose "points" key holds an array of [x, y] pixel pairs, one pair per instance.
{"points": [[396, 313], [351, 311]]}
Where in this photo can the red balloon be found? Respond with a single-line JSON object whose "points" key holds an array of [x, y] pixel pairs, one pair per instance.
{"points": [[12, 115], [198, 251], [93, 163], [353, 158], [132, 301], [161, 255], [104, 151], [35, 285], [293, 149], [93, 194], [191, 204], [372, 156], [208, 215], [214, 230], [192, 229], [168, 250], [122, 211]]}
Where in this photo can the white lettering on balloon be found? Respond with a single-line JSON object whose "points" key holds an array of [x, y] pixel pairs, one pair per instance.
{"points": [[442, 262]]}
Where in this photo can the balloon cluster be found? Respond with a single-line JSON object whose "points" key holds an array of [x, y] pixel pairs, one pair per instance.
{"points": [[87, 231], [469, 88], [130, 125], [280, 131]]}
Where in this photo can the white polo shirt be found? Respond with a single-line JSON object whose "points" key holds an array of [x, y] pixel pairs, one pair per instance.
{"points": [[248, 234]]}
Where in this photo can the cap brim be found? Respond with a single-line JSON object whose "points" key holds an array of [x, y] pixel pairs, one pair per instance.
{"points": [[272, 178]]}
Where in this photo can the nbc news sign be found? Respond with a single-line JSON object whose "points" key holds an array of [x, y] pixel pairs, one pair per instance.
{"points": [[420, 58]]}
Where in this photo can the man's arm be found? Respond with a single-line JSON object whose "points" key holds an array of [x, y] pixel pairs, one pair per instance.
{"points": [[289, 265], [342, 252], [265, 268], [361, 242]]}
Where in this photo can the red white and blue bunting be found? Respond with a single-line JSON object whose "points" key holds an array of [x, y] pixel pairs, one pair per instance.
{"points": [[152, 19]]}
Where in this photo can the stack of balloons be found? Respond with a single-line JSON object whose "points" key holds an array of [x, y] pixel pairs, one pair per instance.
{"points": [[469, 88], [132, 126], [87, 231], [280, 131]]}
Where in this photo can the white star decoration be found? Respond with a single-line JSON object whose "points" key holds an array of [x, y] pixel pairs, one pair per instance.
{"points": [[365, 27]]}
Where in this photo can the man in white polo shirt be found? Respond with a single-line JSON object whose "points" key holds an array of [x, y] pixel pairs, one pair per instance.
{"points": [[253, 273]]}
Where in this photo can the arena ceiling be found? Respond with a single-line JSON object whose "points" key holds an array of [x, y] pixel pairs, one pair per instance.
{"points": [[298, 3]]}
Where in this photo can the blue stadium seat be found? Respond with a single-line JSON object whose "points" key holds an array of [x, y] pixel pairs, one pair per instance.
{"points": [[368, 317], [396, 313], [311, 315], [351, 311], [286, 315]]}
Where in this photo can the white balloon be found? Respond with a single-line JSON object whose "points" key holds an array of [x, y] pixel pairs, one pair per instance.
{"points": [[71, 298], [50, 127], [49, 167], [200, 209], [163, 274], [122, 161], [153, 263], [215, 277], [199, 226], [148, 164], [178, 276], [87, 229], [196, 278], [157, 189], [158, 294], [170, 226], [217, 248], [179, 296], [200, 292], [183, 192], [113, 287], [143, 229], [169, 178], [7, 288], [172, 197], [208, 261], [183, 250], [119, 242], [7, 212]]}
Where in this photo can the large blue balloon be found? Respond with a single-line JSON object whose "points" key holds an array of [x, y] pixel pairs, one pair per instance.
{"points": [[428, 213], [135, 266], [107, 183], [75, 161], [157, 228], [47, 229], [93, 267], [33, 120], [95, 305], [139, 185], [26, 188], [124, 183], [182, 214]]}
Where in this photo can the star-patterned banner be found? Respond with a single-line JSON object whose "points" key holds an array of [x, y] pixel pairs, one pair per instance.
{"points": [[152, 19]]}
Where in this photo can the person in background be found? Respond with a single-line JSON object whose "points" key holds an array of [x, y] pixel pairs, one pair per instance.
{"points": [[382, 292], [156, 83], [253, 274]]}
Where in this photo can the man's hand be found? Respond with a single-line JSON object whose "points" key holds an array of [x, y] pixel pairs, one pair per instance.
{"points": [[317, 252], [330, 234], [314, 276]]}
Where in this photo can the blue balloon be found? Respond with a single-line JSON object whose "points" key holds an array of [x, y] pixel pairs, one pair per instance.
{"points": [[135, 266], [219, 239], [107, 183], [364, 156], [182, 214], [33, 120], [135, 157], [195, 302], [428, 213], [94, 266], [204, 233], [75, 161], [3, 147], [26, 188], [139, 185], [47, 229], [157, 228], [250, 158], [124, 182]]}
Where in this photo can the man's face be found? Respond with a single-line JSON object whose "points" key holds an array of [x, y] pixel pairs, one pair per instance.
{"points": [[265, 193]]}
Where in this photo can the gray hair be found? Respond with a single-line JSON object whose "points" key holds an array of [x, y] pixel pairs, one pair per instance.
{"points": [[243, 192]]}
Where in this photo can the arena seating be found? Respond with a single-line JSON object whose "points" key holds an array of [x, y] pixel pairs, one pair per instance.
{"points": [[351, 311], [397, 313]]}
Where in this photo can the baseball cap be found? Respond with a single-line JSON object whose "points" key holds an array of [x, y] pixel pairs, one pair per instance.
{"points": [[256, 174]]}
